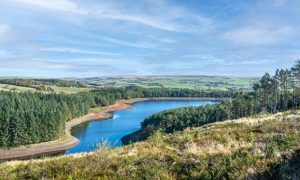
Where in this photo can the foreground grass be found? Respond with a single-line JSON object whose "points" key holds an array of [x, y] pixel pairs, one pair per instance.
{"points": [[248, 148]]}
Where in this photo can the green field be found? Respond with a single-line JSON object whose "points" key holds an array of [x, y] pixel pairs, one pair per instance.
{"points": [[67, 90], [6, 87], [189, 82], [178, 82]]}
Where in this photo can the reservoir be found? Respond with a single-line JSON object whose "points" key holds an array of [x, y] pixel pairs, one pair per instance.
{"points": [[123, 122]]}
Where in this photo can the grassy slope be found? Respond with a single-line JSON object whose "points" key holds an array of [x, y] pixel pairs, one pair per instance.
{"points": [[238, 149], [190, 82], [67, 90], [7, 87]]}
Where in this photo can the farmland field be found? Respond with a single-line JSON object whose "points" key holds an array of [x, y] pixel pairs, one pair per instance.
{"points": [[69, 90], [173, 82], [189, 82], [6, 87]]}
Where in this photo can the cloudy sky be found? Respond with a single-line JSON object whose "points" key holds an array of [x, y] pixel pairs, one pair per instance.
{"points": [[84, 38]]}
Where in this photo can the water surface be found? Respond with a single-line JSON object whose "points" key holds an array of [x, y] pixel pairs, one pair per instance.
{"points": [[122, 123]]}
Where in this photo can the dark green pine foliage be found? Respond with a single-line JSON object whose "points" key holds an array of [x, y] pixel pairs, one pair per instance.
{"points": [[34, 117], [27, 118]]}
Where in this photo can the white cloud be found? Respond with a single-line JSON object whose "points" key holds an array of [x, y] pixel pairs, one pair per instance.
{"points": [[163, 16], [4, 28], [34, 64], [258, 35], [166, 17], [254, 62], [167, 40], [7, 34], [153, 22], [59, 5], [78, 51], [5, 54], [146, 45]]}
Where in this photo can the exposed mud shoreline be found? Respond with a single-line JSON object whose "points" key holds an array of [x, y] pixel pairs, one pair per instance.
{"points": [[68, 141]]}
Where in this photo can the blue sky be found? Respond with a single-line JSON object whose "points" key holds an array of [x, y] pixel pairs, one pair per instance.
{"points": [[85, 38]]}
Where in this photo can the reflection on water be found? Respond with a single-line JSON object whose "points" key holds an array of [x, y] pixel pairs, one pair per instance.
{"points": [[122, 123]]}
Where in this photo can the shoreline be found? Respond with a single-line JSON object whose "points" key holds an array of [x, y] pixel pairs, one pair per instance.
{"points": [[68, 141]]}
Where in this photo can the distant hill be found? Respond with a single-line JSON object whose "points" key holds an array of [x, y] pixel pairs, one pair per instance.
{"points": [[43, 85], [74, 85], [189, 82]]}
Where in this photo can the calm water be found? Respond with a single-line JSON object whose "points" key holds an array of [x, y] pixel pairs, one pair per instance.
{"points": [[122, 123]]}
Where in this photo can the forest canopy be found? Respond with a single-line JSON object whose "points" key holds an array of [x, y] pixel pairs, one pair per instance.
{"points": [[27, 118]]}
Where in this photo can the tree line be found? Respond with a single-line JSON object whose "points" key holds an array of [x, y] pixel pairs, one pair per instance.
{"points": [[270, 94], [106, 96], [27, 118]]}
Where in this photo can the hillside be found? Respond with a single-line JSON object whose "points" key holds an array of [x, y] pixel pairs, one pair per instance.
{"points": [[73, 85], [42, 85], [189, 82], [261, 147]]}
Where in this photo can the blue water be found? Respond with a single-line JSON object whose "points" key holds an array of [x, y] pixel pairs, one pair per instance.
{"points": [[122, 123]]}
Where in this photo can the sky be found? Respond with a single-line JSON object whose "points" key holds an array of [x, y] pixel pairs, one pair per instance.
{"points": [[93, 38]]}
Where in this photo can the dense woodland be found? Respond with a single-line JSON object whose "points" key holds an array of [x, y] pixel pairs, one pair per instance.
{"points": [[27, 118], [270, 94], [35, 117]]}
